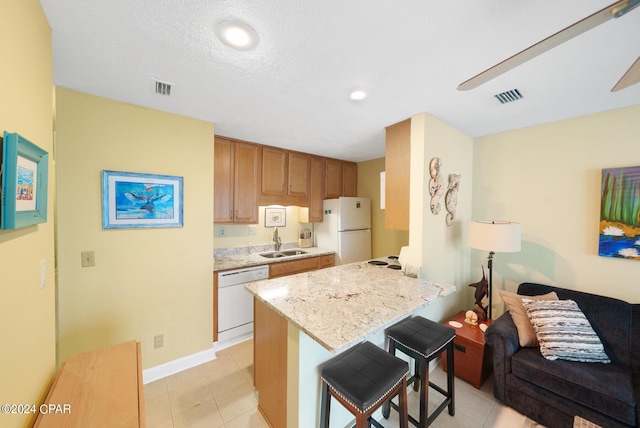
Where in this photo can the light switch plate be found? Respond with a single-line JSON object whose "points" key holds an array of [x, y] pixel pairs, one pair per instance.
{"points": [[88, 258]]}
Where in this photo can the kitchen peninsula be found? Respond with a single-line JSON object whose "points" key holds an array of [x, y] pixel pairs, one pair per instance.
{"points": [[303, 320]]}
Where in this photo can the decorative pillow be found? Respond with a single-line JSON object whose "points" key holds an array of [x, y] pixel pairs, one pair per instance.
{"points": [[526, 334], [564, 332]]}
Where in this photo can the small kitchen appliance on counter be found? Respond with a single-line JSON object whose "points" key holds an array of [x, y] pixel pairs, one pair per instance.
{"points": [[305, 240]]}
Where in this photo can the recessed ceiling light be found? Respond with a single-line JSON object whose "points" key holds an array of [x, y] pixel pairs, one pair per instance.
{"points": [[358, 95], [237, 34]]}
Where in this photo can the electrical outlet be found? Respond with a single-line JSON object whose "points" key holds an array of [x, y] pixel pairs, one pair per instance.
{"points": [[222, 231], [252, 230], [158, 341], [88, 258]]}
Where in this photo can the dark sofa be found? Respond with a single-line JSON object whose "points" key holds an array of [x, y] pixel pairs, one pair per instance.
{"points": [[553, 392]]}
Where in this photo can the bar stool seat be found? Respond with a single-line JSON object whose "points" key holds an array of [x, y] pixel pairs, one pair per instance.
{"points": [[362, 379], [423, 340]]}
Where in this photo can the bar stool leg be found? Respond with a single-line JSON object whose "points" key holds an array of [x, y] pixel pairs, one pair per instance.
{"points": [[451, 379], [416, 384], [325, 406], [423, 366], [386, 406], [402, 401]]}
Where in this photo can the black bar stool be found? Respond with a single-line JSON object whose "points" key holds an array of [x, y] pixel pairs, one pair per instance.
{"points": [[423, 340], [362, 379]]}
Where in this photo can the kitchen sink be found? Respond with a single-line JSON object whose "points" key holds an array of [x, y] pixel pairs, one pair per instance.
{"points": [[286, 253]]}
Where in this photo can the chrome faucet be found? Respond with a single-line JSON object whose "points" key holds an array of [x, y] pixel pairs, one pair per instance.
{"points": [[276, 239]]}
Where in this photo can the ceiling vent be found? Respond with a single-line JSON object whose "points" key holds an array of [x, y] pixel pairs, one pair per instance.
{"points": [[509, 96], [162, 88]]}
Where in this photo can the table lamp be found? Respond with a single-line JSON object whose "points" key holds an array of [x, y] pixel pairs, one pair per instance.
{"points": [[495, 237]]}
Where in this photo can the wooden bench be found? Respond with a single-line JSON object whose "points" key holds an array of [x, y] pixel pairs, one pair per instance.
{"points": [[97, 388]]}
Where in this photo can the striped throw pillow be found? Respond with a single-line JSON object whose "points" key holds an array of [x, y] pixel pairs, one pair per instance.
{"points": [[564, 332]]}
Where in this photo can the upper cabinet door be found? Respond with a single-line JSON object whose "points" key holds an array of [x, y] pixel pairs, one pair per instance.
{"points": [[316, 189], [349, 179], [298, 174], [333, 179], [246, 163], [274, 164], [223, 181]]}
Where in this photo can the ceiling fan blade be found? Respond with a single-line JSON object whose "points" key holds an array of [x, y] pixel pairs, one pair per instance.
{"points": [[631, 77], [614, 10]]}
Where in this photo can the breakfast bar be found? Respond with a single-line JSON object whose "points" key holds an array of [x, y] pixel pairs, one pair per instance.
{"points": [[303, 320]]}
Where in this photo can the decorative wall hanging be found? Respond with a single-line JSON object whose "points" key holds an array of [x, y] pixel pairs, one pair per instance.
{"points": [[134, 200], [275, 217], [451, 198], [620, 213], [24, 167], [436, 185]]}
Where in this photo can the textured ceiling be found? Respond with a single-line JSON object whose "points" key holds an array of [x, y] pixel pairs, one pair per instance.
{"points": [[292, 90]]}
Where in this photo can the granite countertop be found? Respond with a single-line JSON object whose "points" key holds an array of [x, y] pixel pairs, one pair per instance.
{"points": [[234, 258], [339, 306]]}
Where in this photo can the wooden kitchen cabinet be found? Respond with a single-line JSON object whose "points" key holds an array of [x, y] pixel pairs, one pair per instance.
{"points": [[285, 177], [298, 177], [307, 264], [236, 181], [316, 189], [397, 167], [274, 171], [349, 178], [270, 363], [223, 181], [247, 175], [215, 306], [332, 178], [340, 178]]}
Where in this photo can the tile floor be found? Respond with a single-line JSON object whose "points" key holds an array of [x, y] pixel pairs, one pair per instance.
{"points": [[220, 394]]}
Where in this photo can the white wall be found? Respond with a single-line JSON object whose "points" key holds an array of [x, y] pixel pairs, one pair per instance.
{"points": [[548, 177]]}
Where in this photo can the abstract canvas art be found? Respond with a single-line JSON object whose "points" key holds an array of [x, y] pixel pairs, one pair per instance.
{"points": [[620, 213]]}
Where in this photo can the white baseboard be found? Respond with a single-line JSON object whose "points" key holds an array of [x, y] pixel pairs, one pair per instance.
{"points": [[176, 366], [228, 342]]}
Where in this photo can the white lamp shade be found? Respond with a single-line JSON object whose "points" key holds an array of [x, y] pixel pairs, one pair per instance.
{"points": [[496, 236]]}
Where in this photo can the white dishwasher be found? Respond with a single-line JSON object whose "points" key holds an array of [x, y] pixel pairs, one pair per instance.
{"points": [[235, 303]]}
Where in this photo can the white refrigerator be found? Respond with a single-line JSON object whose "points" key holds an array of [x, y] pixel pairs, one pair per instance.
{"points": [[346, 229]]}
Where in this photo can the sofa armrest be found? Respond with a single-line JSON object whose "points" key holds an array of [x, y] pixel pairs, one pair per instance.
{"points": [[502, 338]]}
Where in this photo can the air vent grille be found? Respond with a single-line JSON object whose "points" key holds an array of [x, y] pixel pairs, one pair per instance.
{"points": [[509, 96], [163, 88]]}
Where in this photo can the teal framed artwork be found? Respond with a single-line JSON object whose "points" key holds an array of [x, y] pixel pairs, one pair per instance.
{"points": [[24, 186], [620, 213], [135, 200]]}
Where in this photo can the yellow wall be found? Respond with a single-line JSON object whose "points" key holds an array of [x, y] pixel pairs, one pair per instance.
{"points": [[384, 242], [548, 178], [146, 281], [443, 250], [27, 312]]}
